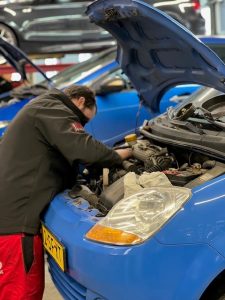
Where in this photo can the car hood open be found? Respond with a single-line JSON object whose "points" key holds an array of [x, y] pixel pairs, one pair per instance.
{"points": [[18, 59], [155, 51]]}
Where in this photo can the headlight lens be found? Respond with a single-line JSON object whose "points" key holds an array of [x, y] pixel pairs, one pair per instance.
{"points": [[136, 218]]}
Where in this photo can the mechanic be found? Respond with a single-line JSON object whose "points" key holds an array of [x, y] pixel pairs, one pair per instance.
{"points": [[40, 153]]}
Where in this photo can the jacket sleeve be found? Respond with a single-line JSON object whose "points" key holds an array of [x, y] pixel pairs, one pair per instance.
{"points": [[63, 131]]}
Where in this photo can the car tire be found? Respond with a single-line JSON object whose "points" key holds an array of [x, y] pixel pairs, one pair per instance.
{"points": [[8, 34], [215, 293], [220, 293]]}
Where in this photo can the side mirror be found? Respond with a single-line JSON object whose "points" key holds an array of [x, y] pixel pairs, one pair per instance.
{"points": [[111, 85]]}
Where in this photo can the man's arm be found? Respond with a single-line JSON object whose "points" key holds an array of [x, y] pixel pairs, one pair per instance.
{"points": [[63, 131]]}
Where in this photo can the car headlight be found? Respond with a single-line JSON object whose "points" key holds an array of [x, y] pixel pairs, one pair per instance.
{"points": [[136, 218]]}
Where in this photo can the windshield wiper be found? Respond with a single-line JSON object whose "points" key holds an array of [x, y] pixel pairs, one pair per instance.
{"points": [[187, 125], [208, 116], [175, 120]]}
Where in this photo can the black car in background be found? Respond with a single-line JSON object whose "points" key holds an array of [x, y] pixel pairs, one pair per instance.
{"points": [[50, 26], [56, 26], [187, 12]]}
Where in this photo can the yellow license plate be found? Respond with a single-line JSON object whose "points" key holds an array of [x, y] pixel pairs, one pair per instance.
{"points": [[54, 247]]}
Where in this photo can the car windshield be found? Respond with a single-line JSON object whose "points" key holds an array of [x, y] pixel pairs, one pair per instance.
{"points": [[79, 71]]}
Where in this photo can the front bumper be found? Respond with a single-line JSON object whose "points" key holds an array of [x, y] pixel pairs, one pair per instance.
{"points": [[147, 271]]}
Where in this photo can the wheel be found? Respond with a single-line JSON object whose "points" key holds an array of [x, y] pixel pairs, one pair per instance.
{"points": [[8, 35], [215, 292]]}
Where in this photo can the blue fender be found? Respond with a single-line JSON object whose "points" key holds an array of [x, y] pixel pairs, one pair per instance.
{"points": [[200, 273]]}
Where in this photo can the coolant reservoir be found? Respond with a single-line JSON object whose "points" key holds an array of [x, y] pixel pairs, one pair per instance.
{"points": [[131, 139]]}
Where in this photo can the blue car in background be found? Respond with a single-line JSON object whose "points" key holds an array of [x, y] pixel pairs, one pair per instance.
{"points": [[165, 241], [115, 93], [118, 103], [114, 98], [119, 112]]}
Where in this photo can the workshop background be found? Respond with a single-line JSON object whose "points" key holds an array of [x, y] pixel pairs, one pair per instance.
{"points": [[17, 14], [43, 29]]}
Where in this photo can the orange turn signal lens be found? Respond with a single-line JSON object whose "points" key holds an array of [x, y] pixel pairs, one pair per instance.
{"points": [[112, 236]]}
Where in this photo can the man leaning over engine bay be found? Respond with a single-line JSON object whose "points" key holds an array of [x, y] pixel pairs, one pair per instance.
{"points": [[39, 152]]}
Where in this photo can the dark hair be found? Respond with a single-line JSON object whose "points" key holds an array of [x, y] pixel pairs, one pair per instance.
{"points": [[77, 91]]}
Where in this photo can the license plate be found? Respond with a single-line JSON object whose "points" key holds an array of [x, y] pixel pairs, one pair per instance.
{"points": [[54, 248]]}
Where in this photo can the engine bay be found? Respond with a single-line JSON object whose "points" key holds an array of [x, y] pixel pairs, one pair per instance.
{"points": [[104, 188], [185, 145]]}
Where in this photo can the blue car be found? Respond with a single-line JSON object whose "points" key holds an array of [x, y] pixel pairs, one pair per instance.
{"points": [[115, 92], [118, 104], [163, 242], [119, 112]]}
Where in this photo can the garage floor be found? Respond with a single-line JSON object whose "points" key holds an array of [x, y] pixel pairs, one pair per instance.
{"points": [[50, 290]]}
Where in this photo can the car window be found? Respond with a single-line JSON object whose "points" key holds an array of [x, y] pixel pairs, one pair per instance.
{"points": [[120, 73], [79, 71], [116, 72]]}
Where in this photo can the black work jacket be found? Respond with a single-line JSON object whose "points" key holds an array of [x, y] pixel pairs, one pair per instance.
{"points": [[38, 153]]}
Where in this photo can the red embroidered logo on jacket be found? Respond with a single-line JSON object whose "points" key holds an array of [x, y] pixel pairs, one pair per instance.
{"points": [[76, 126]]}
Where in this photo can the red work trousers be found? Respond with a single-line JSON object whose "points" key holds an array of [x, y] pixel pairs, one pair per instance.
{"points": [[21, 267]]}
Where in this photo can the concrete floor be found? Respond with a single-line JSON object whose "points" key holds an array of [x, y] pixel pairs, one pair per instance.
{"points": [[50, 290]]}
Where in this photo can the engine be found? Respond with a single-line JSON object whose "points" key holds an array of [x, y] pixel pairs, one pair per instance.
{"points": [[182, 168]]}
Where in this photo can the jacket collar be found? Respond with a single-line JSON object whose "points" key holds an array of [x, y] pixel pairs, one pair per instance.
{"points": [[83, 119]]}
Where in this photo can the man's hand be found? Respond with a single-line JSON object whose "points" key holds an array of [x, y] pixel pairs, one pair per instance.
{"points": [[124, 153]]}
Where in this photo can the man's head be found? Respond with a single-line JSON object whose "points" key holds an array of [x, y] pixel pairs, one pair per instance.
{"points": [[83, 98]]}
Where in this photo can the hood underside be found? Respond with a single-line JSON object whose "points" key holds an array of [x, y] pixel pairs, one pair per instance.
{"points": [[155, 51]]}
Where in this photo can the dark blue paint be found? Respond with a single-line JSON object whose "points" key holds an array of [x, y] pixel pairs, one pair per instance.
{"points": [[156, 60]]}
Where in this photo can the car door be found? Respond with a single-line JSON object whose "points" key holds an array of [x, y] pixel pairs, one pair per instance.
{"points": [[118, 112], [78, 27], [52, 20]]}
